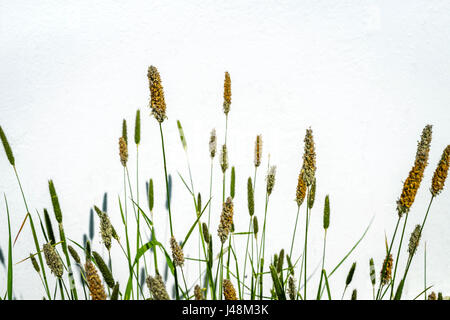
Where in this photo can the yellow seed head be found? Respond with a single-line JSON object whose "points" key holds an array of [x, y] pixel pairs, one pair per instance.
{"points": [[123, 151], [198, 293], [94, 282], [228, 290], [157, 102], [437, 184], [387, 267], [301, 189], [227, 93]]}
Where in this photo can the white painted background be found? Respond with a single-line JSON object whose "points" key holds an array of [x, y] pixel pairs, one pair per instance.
{"points": [[367, 76]]}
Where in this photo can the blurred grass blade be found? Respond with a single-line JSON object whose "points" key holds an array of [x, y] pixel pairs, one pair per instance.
{"points": [[10, 264]]}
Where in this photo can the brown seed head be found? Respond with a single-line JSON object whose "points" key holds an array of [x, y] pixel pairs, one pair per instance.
{"points": [[309, 158], [157, 101], [226, 220], [414, 240], [198, 293], [258, 150], [437, 184], [387, 268], [228, 290], [94, 282], [224, 158], [123, 151], [227, 93], [177, 252], [271, 179]]}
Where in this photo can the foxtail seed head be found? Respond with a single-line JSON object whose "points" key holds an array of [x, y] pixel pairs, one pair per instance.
{"points": [[385, 276], [309, 158], [354, 294], [350, 274], [301, 189], [7, 147], [124, 131], [372, 271], [137, 127], [213, 143], [258, 150], [74, 254], [226, 220], [104, 270], [250, 197], [412, 183], [228, 290], [106, 228], [95, 285], [255, 226], [53, 260], [157, 101], [55, 201], [312, 194], [177, 252], [292, 289], [205, 232], [123, 151], [224, 158], [198, 293], [414, 240], [270, 179], [440, 174], [432, 296], [227, 93], [157, 288], [326, 213]]}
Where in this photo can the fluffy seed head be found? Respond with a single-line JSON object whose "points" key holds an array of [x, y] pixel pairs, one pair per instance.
{"points": [[157, 101], [224, 158], [292, 289], [301, 189], [270, 179], [228, 290], [213, 143], [95, 285], [106, 228], [227, 93], [53, 260], [440, 174], [157, 288], [414, 240], [412, 183], [258, 150], [309, 158], [226, 220], [177, 252], [385, 276], [123, 151], [198, 293]]}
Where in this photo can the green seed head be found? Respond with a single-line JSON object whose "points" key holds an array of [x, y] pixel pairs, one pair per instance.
{"points": [[182, 136], [350, 274], [124, 131], [35, 264], [312, 194], [233, 182], [354, 294], [48, 225], [115, 292], [205, 232], [326, 213], [372, 271], [55, 201], [107, 276], [7, 147], [137, 127], [150, 195], [74, 254], [250, 197], [255, 226]]}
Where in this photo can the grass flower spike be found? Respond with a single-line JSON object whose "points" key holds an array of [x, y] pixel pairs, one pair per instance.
{"points": [[53, 260], [177, 252], [301, 189], [7, 147], [157, 101], [213, 143], [157, 288], [440, 174], [123, 151], [226, 220], [309, 158], [227, 93], [271, 179], [258, 150], [414, 240], [387, 267], [228, 290], [95, 283], [224, 158]]}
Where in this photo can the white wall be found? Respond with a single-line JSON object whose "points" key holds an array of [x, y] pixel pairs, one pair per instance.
{"points": [[367, 76]]}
